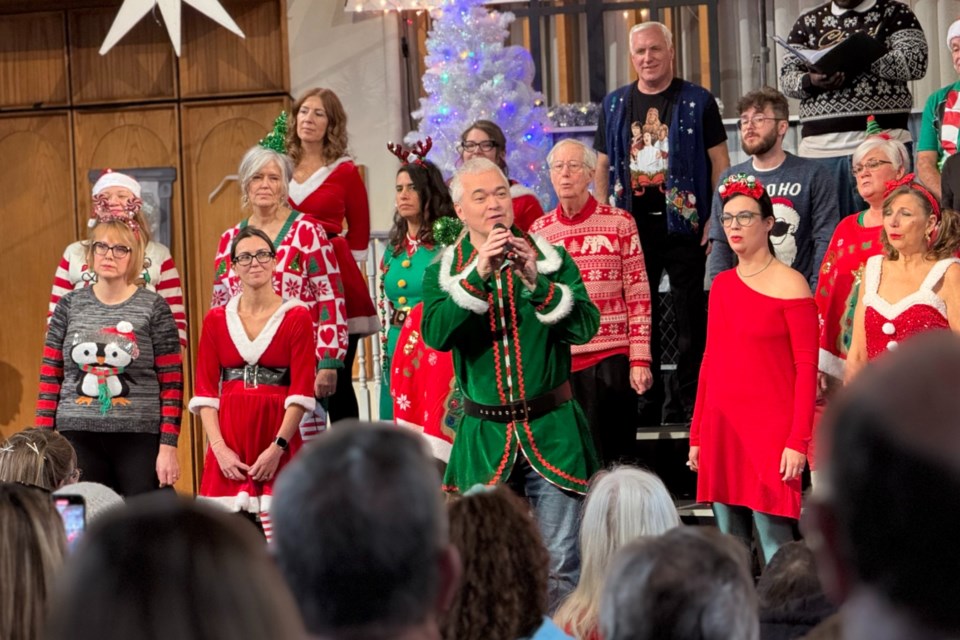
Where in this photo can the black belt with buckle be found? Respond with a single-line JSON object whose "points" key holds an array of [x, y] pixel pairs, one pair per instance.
{"points": [[398, 317], [253, 375], [522, 410]]}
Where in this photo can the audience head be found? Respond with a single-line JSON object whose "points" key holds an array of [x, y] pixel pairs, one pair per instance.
{"points": [[747, 217], [764, 120], [98, 499], [691, 583], [264, 177], [39, 457], [913, 222], [421, 196], [32, 549], [166, 567], [484, 139], [361, 535], [503, 592], [622, 505], [318, 118], [791, 574], [887, 502], [877, 161]]}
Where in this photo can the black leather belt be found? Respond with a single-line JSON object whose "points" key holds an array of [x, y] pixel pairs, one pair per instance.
{"points": [[398, 317], [253, 375], [522, 410]]}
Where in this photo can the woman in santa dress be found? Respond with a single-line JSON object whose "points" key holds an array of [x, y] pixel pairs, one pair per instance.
{"points": [[754, 411], [327, 187], [306, 267], [253, 383], [917, 271]]}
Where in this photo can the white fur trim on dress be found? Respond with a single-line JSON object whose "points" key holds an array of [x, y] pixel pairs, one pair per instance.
{"points": [[830, 363], [306, 402], [243, 501], [361, 255], [563, 308], [251, 350], [439, 447], [299, 192], [198, 402], [551, 260], [451, 283]]}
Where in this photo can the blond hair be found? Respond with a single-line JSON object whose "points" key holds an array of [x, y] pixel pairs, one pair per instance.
{"points": [[39, 457]]}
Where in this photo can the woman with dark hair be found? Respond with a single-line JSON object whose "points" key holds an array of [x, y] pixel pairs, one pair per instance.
{"points": [[754, 411], [168, 567], [918, 271], [254, 382], [327, 187], [422, 198], [485, 139], [503, 591]]}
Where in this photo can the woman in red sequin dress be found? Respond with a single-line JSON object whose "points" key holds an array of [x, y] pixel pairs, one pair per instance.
{"points": [[914, 286]]}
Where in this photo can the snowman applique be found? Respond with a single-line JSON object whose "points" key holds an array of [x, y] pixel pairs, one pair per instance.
{"points": [[103, 357]]}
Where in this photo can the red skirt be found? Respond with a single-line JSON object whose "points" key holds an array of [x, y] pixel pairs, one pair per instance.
{"points": [[361, 315]]}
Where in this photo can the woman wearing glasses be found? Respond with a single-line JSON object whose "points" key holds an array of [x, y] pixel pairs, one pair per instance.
{"points": [[306, 266], [254, 382], [117, 193], [754, 411], [111, 379], [485, 139]]}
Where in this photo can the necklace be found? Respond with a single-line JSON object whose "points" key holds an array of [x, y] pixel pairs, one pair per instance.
{"points": [[755, 273]]}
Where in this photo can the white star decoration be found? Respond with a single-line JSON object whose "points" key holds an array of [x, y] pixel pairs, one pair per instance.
{"points": [[133, 11]]}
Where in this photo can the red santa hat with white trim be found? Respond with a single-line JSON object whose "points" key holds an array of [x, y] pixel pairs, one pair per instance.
{"points": [[127, 338], [111, 178]]}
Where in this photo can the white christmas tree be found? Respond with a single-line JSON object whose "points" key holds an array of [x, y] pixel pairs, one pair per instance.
{"points": [[471, 76]]}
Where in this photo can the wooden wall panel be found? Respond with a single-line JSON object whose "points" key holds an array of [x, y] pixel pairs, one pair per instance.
{"points": [[216, 62], [38, 203], [141, 67], [33, 62]]}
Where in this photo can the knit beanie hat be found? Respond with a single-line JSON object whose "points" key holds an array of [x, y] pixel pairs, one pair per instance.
{"points": [[99, 498]]}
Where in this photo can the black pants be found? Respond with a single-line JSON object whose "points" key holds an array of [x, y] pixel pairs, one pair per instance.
{"points": [[125, 462], [610, 404], [343, 402], [684, 260]]}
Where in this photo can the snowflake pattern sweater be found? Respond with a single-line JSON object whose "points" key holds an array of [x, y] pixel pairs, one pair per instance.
{"points": [[604, 243], [882, 90]]}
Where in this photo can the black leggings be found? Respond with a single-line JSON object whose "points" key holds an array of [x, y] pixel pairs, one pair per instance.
{"points": [[125, 462], [343, 402]]}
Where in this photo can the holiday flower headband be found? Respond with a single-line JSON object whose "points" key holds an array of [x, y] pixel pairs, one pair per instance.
{"points": [[417, 153], [742, 184], [908, 181], [101, 213]]}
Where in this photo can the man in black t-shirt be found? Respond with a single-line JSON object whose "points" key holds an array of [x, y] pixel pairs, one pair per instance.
{"points": [[656, 137]]}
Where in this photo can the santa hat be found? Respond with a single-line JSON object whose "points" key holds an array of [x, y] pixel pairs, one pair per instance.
{"points": [[124, 331], [111, 178], [953, 32]]}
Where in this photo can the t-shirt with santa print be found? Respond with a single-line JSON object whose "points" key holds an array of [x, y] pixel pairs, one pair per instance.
{"points": [[804, 196]]}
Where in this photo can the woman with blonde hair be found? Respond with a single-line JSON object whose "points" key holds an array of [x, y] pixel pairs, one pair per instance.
{"points": [[38, 457], [32, 549], [622, 505]]}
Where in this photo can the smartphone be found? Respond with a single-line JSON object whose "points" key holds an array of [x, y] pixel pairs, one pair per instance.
{"points": [[73, 510]]}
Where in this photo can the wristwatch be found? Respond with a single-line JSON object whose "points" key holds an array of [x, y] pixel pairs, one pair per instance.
{"points": [[281, 442]]}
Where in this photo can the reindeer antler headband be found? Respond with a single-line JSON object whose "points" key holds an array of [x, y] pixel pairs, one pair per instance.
{"points": [[101, 207], [417, 153]]}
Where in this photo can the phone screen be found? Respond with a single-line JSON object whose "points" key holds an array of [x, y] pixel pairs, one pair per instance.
{"points": [[73, 510]]}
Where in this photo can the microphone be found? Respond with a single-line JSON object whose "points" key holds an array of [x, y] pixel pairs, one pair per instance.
{"points": [[507, 253]]}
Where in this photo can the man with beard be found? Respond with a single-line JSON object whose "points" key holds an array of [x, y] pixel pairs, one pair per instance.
{"points": [[803, 192]]}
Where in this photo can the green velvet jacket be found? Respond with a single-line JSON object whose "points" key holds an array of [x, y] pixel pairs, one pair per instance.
{"points": [[503, 352]]}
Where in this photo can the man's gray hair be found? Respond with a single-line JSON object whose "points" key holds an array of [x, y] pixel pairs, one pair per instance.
{"points": [[691, 583], [643, 26], [589, 155], [471, 168], [254, 160]]}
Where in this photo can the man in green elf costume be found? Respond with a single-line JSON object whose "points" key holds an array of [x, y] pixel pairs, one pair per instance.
{"points": [[509, 305]]}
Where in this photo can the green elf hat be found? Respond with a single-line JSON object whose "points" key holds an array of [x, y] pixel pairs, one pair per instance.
{"points": [[276, 140]]}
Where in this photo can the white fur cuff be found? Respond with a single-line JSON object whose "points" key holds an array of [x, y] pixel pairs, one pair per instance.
{"points": [[562, 309], [359, 256], [308, 403], [198, 402]]}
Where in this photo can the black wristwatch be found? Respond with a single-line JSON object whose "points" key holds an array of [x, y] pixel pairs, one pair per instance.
{"points": [[281, 442]]}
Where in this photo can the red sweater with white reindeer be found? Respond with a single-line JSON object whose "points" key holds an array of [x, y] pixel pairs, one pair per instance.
{"points": [[604, 242]]}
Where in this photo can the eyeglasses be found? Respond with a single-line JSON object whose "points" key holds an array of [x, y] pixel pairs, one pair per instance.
{"points": [[869, 164], [572, 165], [757, 120], [119, 251], [263, 257], [486, 145], [744, 218]]}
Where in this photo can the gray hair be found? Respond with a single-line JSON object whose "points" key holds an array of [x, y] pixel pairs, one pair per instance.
{"points": [[691, 583], [254, 160], [643, 26], [472, 167], [895, 151], [589, 155]]}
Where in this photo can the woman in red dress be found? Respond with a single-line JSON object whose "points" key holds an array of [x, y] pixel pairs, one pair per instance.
{"points": [[327, 188], [254, 382], [752, 421]]}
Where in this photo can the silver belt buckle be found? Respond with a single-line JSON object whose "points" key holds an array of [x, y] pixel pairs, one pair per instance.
{"points": [[250, 377]]}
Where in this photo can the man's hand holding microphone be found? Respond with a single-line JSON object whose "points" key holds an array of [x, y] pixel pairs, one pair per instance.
{"points": [[501, 246]]}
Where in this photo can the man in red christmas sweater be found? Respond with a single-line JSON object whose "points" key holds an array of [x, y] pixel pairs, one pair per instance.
{"points": [[614, 367]]}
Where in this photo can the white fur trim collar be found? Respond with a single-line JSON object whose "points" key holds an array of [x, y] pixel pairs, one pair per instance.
{"points": [[563, 308], [299, 192], [251, 350], [450, 282]]}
